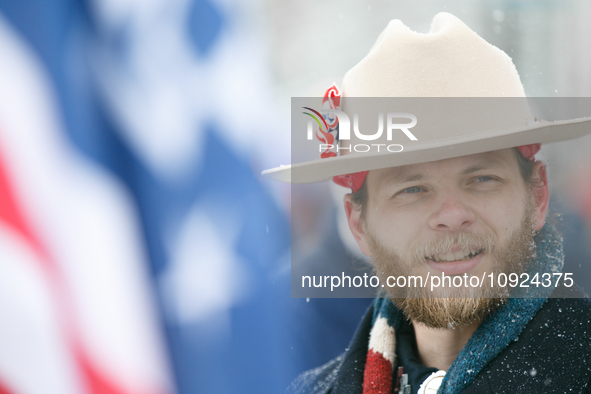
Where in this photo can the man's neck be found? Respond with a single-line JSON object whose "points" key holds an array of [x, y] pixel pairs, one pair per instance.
{"points": [[439, 348]]}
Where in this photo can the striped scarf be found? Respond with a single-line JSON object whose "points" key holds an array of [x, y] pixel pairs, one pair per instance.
{"points": [[491, 337]]}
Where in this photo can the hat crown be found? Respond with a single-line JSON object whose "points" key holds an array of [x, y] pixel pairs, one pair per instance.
{"points": [[449, 61]]}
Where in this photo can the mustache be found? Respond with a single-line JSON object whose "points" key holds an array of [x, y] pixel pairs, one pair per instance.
{"points": [[465, 240]]}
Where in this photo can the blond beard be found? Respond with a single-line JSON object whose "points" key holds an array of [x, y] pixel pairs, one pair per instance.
{"points": [[455, 307]]}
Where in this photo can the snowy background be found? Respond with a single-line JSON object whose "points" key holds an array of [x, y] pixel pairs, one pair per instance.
{"points": [[140, 250]]}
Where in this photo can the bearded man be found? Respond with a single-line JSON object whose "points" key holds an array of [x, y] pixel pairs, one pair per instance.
{"points": [[469, 199]]}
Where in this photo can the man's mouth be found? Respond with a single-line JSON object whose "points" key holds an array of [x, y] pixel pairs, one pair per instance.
{"points": [[460, 255]]}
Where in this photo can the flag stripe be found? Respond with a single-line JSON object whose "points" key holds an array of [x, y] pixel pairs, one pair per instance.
{"points": [[11, 214], [4, 390], [34, 196]]}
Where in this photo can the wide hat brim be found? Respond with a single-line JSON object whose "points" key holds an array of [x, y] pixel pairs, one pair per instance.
{"points": [[465, 95], [443, 148]]}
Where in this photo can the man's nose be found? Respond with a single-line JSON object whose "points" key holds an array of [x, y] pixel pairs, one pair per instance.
{"points": [[451, 213]]}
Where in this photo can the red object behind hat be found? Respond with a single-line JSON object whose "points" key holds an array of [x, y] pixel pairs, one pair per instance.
{"points": [[355, 180]]}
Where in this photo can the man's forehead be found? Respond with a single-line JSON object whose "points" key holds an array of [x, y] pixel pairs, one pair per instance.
{"points": [[464, 165]]}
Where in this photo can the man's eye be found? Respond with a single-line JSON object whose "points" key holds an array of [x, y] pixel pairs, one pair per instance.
{"points": [[414, 189], [484, 178]]}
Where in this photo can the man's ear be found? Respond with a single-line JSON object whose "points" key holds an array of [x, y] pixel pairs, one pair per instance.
{"points": [[540, 194], [356, 224]]}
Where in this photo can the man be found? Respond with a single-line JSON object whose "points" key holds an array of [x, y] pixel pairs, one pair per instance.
{"points": [[466, 200]]}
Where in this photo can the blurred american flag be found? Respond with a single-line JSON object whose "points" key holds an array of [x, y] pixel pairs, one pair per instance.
{"points": [[138, 249]]}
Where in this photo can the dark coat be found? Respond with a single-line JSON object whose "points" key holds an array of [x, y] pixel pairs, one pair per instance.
{"points": [[552, 355]]}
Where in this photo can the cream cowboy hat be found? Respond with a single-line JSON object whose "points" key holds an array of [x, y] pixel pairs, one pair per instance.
{"points": [[451, 61]]}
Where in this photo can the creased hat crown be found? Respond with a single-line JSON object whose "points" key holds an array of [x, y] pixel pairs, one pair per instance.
{"points": [[449, 61]]}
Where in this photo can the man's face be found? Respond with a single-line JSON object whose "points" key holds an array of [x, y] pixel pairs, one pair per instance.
{"points": [[468, 215]]}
